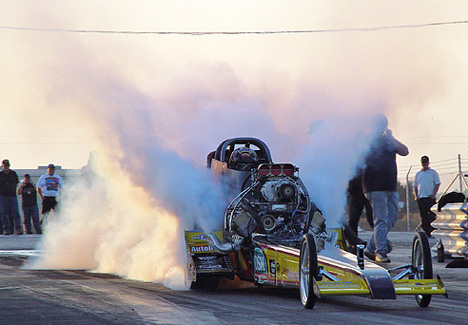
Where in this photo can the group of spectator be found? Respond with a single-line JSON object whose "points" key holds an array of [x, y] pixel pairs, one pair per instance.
{"points": [[374, 187], [47, 187]]}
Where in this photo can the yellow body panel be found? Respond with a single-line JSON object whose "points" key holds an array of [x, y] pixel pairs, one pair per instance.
{"points": [[286, 267], [197, 243], [347, 284], [342, 288], [419, 286]]}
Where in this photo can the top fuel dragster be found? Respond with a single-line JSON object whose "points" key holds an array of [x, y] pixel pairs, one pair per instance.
{"points": [[274, 235]]}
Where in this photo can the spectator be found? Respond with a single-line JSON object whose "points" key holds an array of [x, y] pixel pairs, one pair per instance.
{"points": [[48, 187], [426, 186], [380, 186], [28, 193], [8, 199], [357, 202]]}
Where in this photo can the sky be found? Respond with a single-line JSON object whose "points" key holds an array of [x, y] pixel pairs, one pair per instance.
{"points": [[152, 106], [279, 84]]}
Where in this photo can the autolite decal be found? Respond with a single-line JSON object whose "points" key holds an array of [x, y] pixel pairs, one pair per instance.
{"points": [[201, 249]]}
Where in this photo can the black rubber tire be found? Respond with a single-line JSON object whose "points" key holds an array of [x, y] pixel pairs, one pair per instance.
{"points": [[308, 270], [421, 259], [190, 271], [205, 283]]}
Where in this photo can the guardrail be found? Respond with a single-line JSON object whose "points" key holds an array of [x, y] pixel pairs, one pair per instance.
{"points": [[452, 228]]}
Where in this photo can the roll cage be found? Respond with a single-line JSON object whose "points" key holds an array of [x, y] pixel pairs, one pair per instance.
{"points": [[227, 147]]}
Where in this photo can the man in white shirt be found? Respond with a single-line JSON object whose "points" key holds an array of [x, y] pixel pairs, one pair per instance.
{"points": [[48, 187], [426, 186]]}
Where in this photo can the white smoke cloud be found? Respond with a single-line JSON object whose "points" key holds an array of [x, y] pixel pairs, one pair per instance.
{"points": [[336, 149], [129, 215], [109, 224], [153, 107]]}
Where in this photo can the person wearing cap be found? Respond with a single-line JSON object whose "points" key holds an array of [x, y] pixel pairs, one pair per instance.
{"points": [[28, 193], [380, 185], [48, 187], [426, 186], [8, 200]]}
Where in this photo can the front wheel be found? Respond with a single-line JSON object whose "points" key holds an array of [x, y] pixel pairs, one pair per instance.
{"points": [[308, 271], [422, 264]]}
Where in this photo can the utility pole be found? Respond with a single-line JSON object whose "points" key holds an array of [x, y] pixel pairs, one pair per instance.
{"points": [[460, 173], [408, 201]]}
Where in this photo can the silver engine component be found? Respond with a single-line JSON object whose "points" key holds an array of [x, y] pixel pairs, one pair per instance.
{"points": [[268, 222], [317, 225], [242, 222], [233, 245], [317, 228], [278, 189]]}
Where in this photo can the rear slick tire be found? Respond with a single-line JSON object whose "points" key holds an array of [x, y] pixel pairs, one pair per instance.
{"points": [[205, 283], [308, 271], [421, 259]]}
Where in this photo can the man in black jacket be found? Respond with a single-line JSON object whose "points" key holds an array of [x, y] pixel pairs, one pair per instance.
{"points": [[380, 186]]}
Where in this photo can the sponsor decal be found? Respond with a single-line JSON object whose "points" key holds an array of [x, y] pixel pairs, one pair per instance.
{"points": [[260, 263], [340, 284], [413, 284], [207, 258], [200, 237], [292, 275], [261, 278], [273, 268], [210, 267], [201, 249]]}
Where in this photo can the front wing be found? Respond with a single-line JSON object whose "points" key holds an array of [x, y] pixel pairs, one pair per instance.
{"points": [[279, 266]]}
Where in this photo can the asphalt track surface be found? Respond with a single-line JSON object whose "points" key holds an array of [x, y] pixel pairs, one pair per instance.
{"points": [[80, 297]]}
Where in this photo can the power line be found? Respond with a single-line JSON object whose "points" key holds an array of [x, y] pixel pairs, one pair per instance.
{"points": [[448, 167], [446, 174], [441, 136], [433, 163], [40, 142], [437, 143], [443, 167], [453, 164], [261, 32]]}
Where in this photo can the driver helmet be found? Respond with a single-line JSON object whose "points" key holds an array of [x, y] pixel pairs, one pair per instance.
{"points": [[243, 158]]}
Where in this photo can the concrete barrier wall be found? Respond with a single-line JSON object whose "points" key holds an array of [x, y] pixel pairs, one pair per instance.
{"points": [[452, 228]]}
